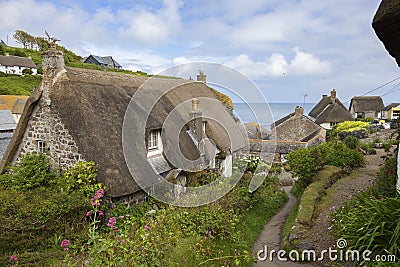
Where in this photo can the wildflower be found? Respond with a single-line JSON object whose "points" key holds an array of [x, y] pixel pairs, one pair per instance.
{"points": [[13, 258], [101, 212], [127, 215], [89, 213], [217, 202], [146, 227], [122, 216], [112, 222], [65, 244]]}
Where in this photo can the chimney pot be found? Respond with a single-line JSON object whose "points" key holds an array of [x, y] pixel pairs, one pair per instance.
{"points": [[195, 104], [298, 110]]}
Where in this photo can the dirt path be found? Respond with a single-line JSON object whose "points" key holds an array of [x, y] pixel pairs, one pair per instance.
{"points": [[271, 236], [343, 190]]}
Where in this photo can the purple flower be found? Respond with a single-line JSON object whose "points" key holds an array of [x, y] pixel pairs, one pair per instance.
{"points": [[13, 258], [146, 227], [65, 244], [89, 213], [112, 222], [101, 212]]}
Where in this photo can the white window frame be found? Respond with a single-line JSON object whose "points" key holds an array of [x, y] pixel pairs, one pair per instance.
{"points": [[153, 140], [41, 146]]}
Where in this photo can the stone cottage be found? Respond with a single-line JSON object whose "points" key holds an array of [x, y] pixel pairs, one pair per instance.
{"points": [[78, 114], [329, 111], [366, 107], [289, 133]]}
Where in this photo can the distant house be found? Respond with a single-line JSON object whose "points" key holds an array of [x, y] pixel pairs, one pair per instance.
{"points": [[15, 65], [80, 114], [18, 108], [256, 131], [107, 62], [329, 111], [391, 111], [366, 107], [294, 131]]}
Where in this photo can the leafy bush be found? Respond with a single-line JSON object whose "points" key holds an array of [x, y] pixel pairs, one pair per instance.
{"points": [[27, 71], [306, 162], [82, 177], [350, 126], [351, 142], [31, 172]]}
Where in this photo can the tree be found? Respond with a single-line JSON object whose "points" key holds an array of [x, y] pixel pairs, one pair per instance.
{"points": [[24, 38]]}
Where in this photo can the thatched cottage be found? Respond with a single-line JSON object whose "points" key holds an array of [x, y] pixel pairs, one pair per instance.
{"points": [[366, 107], [329, 111], [15, 65], [78, 114]]}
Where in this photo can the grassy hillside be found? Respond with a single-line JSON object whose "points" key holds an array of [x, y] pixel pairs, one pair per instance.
{"points": [[12, 84]]}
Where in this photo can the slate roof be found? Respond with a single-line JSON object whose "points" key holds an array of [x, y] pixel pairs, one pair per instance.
{"points": [[17, 61], [7, 122], [93, 104], [366, 103], [390, 106], [104, 61], [7, 101]]}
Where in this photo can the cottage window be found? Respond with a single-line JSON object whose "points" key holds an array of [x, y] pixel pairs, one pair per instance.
{"points": [[153, 140], [42, 147]]}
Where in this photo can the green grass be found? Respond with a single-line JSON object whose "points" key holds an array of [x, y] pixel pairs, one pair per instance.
{"points": [[18, 85], [290, 223]]}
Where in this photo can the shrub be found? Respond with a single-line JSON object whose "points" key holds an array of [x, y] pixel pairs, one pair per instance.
{"points": [[306, 162], [82, 177], [351, 142], [32, 171], [27, 71]]}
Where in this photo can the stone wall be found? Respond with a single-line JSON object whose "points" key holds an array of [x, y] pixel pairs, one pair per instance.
{"points": [[45, 125]]}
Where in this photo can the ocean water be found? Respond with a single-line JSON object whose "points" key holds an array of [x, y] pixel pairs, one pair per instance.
{"points": [[266, 114]]}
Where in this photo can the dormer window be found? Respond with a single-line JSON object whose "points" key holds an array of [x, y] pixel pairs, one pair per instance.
{"points": [[153, 140]]}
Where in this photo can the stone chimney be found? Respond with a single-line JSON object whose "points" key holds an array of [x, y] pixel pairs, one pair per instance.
{"points": [[196, 121], [298, 110], [201, 77], [323, 96], [52, 64], [333, 94]]}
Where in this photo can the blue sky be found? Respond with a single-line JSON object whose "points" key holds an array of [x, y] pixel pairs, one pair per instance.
{"points": [[288, 48]]}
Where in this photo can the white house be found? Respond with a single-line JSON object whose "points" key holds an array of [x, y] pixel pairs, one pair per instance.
{"points": [[15, 65]]}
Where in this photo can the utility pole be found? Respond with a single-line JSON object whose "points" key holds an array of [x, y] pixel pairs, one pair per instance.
{"points": [[304, 99]]}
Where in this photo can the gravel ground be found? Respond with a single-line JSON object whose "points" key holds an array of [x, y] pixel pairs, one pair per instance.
{"points": [[342, 191]]}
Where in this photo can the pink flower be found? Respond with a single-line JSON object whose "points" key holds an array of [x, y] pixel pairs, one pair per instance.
{"points": [[13, 258], [112, 222], [146, 227], [101, 212], [89, 213], [65, 244], [122, 216]]}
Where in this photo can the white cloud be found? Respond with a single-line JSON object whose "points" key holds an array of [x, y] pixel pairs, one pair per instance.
{"points": [[180, 60], [151, 27], [277, 65]]}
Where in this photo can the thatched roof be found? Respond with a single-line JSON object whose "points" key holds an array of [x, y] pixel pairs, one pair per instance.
{"points": [[322, 104], [334, 112], [366, 103], [390, 106], [17, 61], [386, 24], [92, 105]]}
